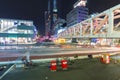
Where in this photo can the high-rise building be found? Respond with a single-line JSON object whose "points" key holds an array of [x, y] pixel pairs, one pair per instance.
{"points": [[78, 13], [47, 23], [51, 15], [48, 19], [54, 16]]}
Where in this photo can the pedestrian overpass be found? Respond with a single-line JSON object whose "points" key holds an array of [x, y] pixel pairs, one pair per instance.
{"points": [[102, 25]]}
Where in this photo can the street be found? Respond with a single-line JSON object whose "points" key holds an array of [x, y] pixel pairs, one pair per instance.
{"points": [[85, 69], [54, 51]]}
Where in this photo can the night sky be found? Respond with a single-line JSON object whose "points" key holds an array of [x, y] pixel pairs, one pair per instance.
{"points": [[34, 9]]}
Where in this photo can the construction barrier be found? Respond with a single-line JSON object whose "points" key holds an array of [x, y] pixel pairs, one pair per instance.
{"points": [[105, 58]]}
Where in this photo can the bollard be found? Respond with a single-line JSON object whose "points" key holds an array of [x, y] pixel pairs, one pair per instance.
{"points": [[53, 65], [64, 64]]}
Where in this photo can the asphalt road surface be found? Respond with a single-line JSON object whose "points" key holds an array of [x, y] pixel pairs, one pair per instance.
{"points": [[52, 51], [86, 69]]}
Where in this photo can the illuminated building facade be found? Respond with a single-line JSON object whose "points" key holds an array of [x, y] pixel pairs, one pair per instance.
{"points": [[47, 23], [58, 25], [51, 16], [78, 13], [16, 31], [47, 16]]}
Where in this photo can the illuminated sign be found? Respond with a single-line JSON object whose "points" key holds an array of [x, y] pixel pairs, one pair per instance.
{"points": [[80, 3]]}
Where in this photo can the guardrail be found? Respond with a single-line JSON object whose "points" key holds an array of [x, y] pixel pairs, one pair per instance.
{"points": [[7, 70]]}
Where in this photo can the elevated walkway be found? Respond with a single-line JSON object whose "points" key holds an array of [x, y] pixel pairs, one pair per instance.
{"points": [[102, 25]]}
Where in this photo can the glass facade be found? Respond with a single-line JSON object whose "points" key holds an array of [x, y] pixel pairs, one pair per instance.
{"points": [[16, 32], [77, 15]]}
